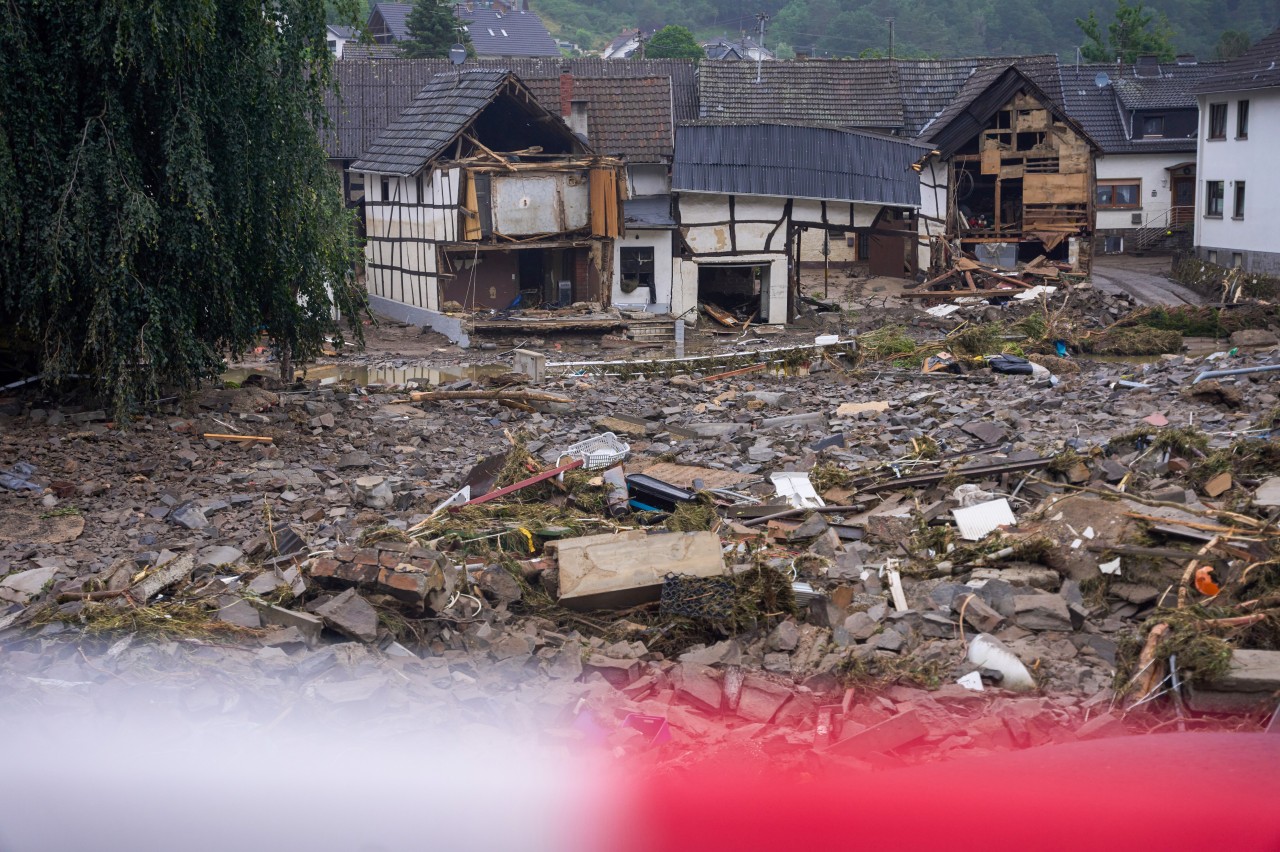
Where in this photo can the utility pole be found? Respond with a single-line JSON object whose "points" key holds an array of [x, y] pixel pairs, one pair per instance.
{"points": [[641, 39], [762, 18], [890, 20]]}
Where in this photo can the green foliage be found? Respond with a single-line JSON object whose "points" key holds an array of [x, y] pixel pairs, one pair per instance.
{"points": [[163, 194], [853, 28], [1134, 31], [433, 30], [673, 42], [1231, 44]]}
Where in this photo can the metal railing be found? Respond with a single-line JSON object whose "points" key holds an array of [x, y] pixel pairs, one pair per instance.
{"points": [[1162, 224]]}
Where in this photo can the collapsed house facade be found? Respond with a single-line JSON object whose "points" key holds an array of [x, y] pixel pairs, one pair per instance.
{"points": [[477, 197], [1019, 174]]}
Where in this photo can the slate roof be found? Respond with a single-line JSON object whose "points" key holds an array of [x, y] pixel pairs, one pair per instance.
{"points": [[1174, 88], [793, 161], [630, 116], [843, 93], [370, 94], [425, 129], [987, 90], [1034, 69], [1101, 109], [900, 95], [395, 16], [1257, 68], [494, 34]]}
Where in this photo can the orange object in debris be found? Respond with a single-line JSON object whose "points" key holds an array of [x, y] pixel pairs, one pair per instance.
{"points": [[1206, 582]]}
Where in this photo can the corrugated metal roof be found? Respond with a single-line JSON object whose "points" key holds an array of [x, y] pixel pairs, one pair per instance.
{"points": [[793, 161], [1257, 68], [370, 94], [441, 111]]}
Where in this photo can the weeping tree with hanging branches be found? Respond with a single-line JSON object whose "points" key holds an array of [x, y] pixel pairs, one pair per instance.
{"points": [[164, 197]]}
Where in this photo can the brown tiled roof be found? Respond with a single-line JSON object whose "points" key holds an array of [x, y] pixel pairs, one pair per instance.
{"points": [[625, 115], [1257, 68], [843, 93], [370, 94]]}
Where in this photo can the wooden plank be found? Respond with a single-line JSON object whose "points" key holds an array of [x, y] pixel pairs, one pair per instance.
{"points": [[626, 569], [1054, 188], [990, 157], [683, 475]]}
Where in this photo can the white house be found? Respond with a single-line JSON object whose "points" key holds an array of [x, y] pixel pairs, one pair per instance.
{"points": [[745, 193], [338, 37], [1144, 118], [1238, 223]]}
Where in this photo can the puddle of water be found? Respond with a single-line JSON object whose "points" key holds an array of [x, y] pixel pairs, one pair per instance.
{"points": [[364, 374]]}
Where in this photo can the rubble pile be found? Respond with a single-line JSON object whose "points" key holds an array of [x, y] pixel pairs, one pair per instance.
{"points": [[852, 554]]}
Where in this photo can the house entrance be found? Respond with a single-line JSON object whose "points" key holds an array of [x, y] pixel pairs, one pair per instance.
{"points": [[740, 289]]}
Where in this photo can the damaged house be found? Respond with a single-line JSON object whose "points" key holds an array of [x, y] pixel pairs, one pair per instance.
{"points": [[1018, 172], [478, 197], [747, 192], [953, 106]]}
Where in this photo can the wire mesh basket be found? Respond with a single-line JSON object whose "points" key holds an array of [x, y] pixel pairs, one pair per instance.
{"points": [[599, 452]]}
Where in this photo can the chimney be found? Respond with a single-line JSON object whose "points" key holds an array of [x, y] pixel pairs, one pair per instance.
{"points": [[1186, 59], [578, 117], [566, 91], [1147, 65]]}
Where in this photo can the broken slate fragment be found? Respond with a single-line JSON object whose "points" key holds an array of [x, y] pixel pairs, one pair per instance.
{"points": [[190, 516], [1042, 612], [351, 615]]}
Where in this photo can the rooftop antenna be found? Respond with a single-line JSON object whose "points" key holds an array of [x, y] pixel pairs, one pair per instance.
{"points": [[890, 20], [458, 55], [762, 18]]}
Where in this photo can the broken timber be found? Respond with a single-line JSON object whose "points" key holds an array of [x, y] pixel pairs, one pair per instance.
{"points": [[699, 363]]}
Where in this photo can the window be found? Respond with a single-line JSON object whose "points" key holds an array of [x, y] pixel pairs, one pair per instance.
{"points": [[637, 271], [1212, 257], [386, 190], [1217, 121], [1152, 126], [1213, 198], [1242, 119], [1119, 193], [417, 185], [1238, 210], [1237, 259]]}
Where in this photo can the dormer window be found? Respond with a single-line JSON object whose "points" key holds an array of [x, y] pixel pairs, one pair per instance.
{"points": [[1152, 126]]}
